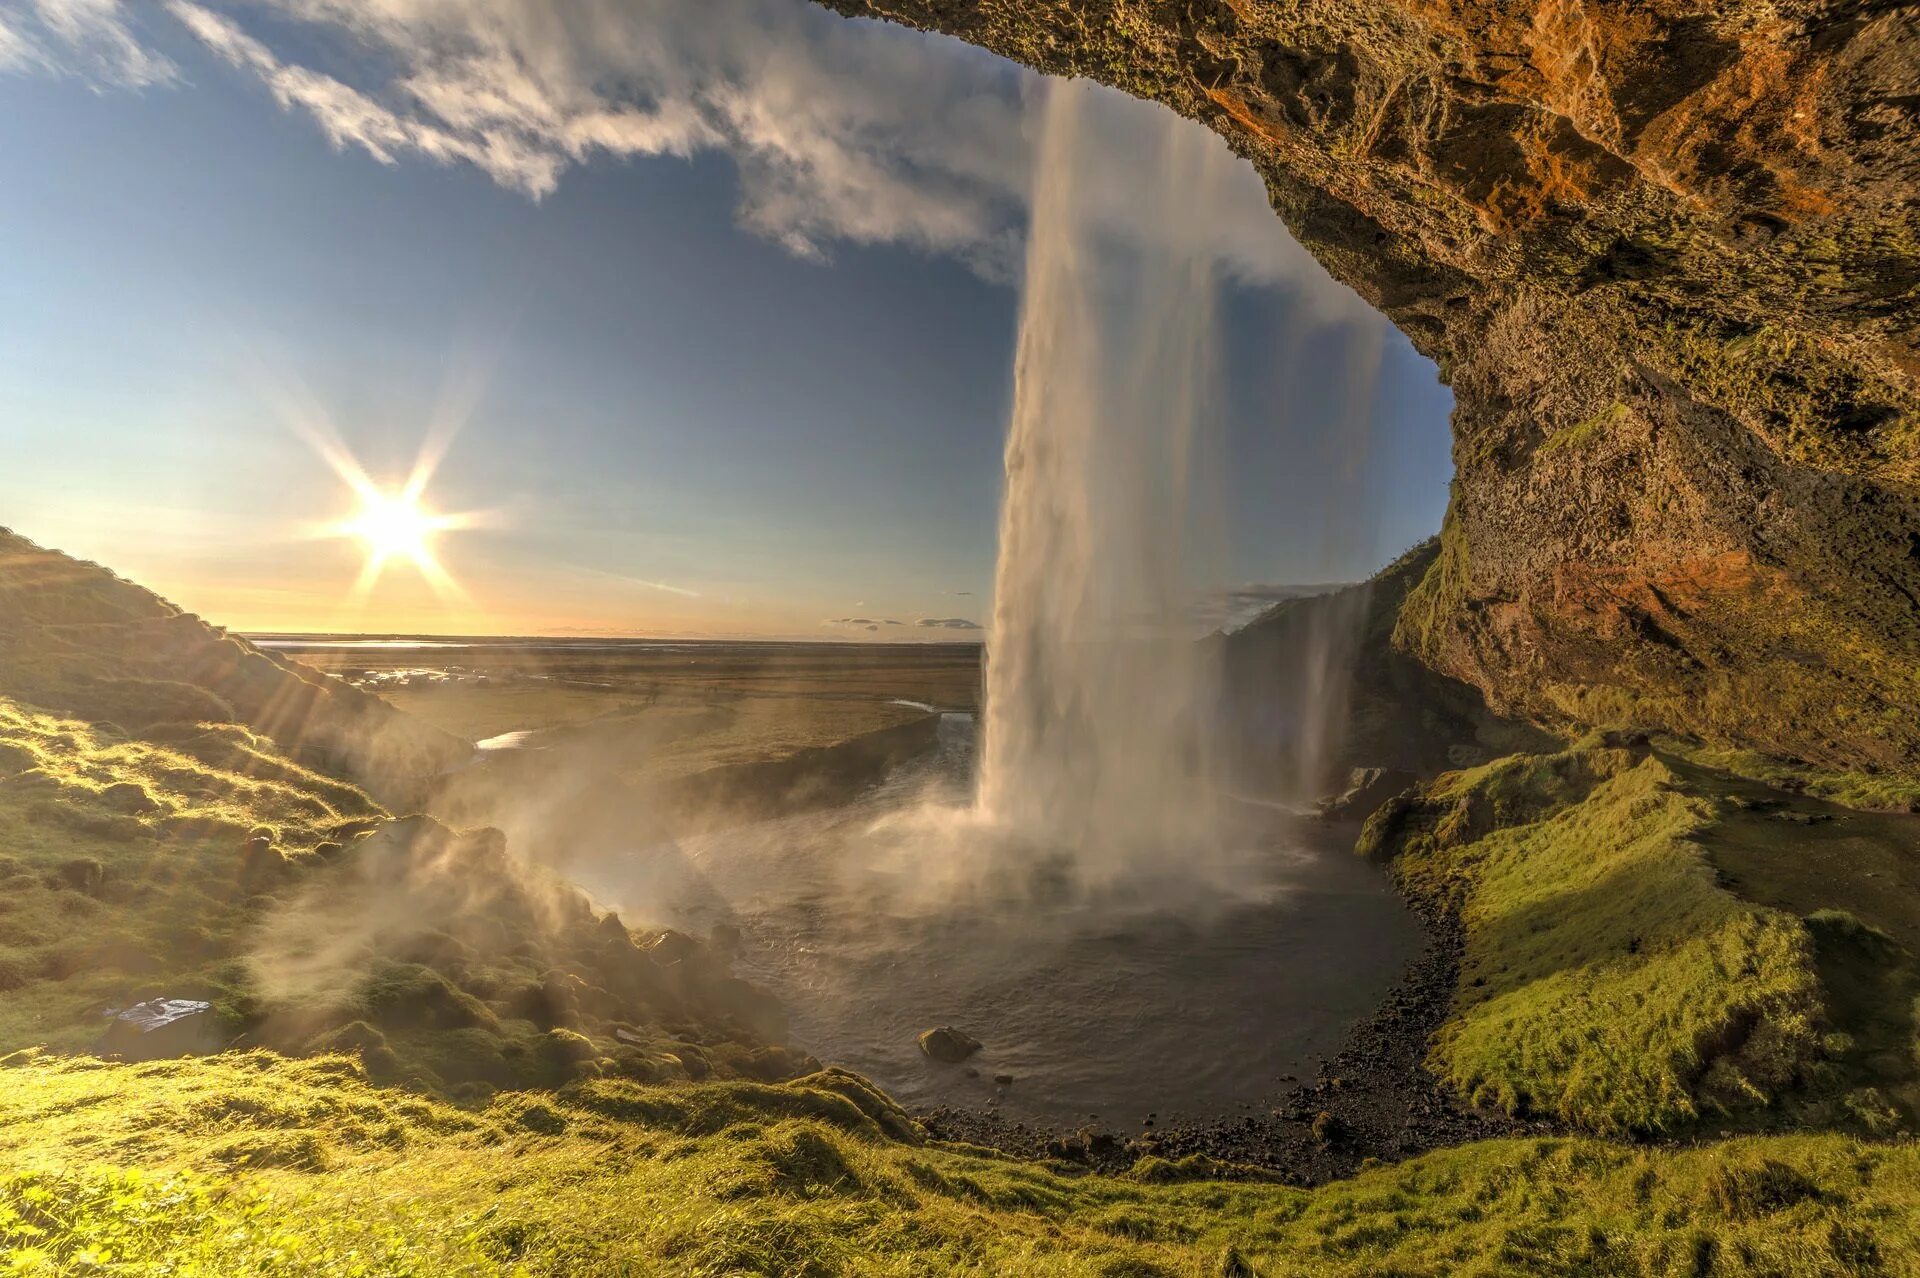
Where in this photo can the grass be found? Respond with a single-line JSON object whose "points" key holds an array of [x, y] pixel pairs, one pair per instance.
{"points": [[1609, 980], [213, 867], [1888, 792], [122, 862], [247, 1164]]}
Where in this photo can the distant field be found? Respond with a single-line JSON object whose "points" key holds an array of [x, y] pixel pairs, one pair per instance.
{"points": [[655, 709], [590, 748]]}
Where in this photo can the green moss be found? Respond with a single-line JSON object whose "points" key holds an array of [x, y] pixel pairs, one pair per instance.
{"points": [[1426, 618], [1585, 432], [1893, 792], [1817, 401], [1608, 979], [249, 1164]]}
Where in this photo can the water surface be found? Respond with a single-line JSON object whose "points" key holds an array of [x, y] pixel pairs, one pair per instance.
{"points": [[1149, 993]]}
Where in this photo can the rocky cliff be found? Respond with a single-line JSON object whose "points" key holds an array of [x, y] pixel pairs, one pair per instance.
{"points": [[1667, 254]]}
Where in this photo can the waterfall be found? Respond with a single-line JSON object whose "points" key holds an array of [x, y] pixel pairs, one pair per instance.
{"points": [[1098, 735]]}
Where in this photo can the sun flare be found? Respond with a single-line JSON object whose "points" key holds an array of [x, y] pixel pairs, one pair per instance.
{"points": [[395, 526]]}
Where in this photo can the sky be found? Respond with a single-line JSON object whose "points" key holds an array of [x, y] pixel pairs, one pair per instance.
{"points": [[706, 309]]}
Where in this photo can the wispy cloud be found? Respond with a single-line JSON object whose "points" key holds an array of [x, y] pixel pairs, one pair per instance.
{"points": [[622, 578], [95, 38], [948, 623], [842, 132], [16, 51]]}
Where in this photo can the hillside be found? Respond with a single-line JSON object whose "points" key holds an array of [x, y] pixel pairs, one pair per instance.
{"points": [[77, 640], [169, 845]]}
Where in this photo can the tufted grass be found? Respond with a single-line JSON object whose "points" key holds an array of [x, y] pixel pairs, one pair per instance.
{"points": [[120, 858], [248, 1164], [1609, 979]]}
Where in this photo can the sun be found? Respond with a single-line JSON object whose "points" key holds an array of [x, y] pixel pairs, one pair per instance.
{"points": [[395, 526], [395, 522]]}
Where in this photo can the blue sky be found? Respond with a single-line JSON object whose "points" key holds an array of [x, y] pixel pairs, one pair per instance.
{"points": [[729, 332]]}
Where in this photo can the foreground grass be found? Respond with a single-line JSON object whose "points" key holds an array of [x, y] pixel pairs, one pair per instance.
{"points": [[246, 1164]]}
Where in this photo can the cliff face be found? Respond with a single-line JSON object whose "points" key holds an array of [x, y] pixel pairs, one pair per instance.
{"points": [[1667, 254]]}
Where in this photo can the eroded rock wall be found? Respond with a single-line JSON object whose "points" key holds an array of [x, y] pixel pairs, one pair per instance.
{"points": [[1667, 254]]}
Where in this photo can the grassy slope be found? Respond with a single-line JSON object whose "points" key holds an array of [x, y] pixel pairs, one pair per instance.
{"points": [[121, 863], [251, 1164], [213, 867], [79, 641], [1613, 979], [164, 832]]}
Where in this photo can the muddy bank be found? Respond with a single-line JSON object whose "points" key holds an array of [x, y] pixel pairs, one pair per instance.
{"points": [[1373, 1099]]}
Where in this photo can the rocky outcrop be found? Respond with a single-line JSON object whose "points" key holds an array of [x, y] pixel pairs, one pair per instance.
{"points": [[1667, 254], [948, 1045], [1314, 688]]}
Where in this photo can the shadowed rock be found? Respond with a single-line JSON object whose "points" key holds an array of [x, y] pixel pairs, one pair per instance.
{"points": [[948, 1045]]}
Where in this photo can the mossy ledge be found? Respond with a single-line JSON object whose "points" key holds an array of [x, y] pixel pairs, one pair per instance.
{"points": [[1647, 953], [1668, 257]]}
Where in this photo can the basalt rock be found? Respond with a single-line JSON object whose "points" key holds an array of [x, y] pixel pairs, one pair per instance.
{"points": [[948, 1045], [1667, 254]]}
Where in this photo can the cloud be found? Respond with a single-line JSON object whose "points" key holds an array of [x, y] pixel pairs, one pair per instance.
{"points": [[841, 132], [626, 579], [94, 38], [16, 51], [1235, 606], [948, 623]]}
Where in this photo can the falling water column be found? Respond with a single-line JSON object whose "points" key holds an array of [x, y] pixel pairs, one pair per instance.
{"points": [[1098, 707]]}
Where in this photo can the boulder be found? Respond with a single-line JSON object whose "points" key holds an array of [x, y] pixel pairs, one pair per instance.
{"points": [[161, 1028], [671, 948], [948, 1045], [82, 874], [1366, 790], [130, 798]]}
